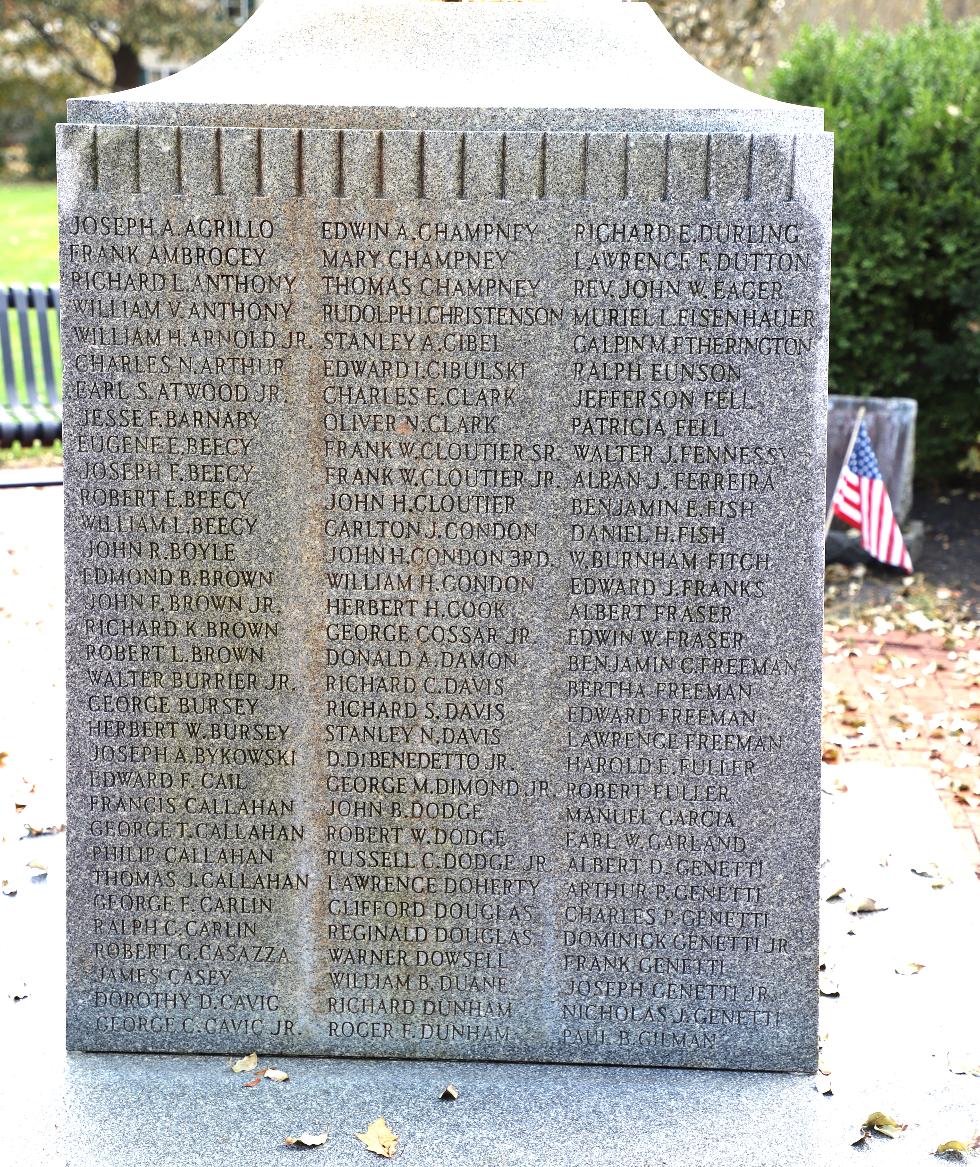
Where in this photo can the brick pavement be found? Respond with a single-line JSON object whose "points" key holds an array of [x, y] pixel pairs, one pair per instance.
{"points": [[908, 698]]}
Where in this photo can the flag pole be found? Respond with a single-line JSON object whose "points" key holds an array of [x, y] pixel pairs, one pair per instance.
{"points": [[847, 457]]}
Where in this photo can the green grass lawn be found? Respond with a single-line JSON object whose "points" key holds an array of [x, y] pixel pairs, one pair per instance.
{"points": [[28, 255], [28, 233]]}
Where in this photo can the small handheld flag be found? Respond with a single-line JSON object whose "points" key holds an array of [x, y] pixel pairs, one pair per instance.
{"points": [[861, 500]]}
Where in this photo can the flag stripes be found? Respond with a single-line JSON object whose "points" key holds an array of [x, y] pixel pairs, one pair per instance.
{"points": [[862, 501]]}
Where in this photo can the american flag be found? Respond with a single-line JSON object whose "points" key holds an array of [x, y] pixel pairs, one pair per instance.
{"points": [[862, 501]]}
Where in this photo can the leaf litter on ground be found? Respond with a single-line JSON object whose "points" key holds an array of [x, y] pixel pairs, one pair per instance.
{"points": [[878, 1123], [306, 1139], [380, 1139]]}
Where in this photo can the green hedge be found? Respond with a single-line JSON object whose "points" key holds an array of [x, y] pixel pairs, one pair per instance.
{"points": [[905, 318]]}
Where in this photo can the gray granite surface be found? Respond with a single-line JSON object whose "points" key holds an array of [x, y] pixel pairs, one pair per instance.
{"points": [[890, 1040], [444, 549]]}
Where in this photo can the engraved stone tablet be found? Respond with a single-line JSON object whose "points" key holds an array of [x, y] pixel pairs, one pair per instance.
{"points": [[444, 438]]}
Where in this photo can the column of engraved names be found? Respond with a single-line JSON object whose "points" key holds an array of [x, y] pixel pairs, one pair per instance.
{"points": [[681, 327], [178, 335], [433, 559]]}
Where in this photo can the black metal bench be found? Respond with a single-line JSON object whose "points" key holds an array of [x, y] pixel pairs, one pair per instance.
{"points": [[33, 414]]}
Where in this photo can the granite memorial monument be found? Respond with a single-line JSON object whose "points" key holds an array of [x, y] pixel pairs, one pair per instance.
{"points": [[445, 398]]}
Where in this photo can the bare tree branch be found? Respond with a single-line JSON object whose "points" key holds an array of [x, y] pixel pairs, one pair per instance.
{"points": [[63, 51]]}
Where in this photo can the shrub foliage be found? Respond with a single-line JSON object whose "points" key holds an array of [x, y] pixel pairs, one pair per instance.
{"points": [[905, 314]]}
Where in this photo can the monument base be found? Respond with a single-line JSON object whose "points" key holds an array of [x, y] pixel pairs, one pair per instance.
{"points": [[891, 1039]]}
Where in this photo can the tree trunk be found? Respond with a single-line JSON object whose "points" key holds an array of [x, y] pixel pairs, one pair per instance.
{"points": [[126, 68]]}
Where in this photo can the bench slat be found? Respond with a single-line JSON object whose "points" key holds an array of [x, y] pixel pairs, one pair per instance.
{"points": [[6, 351], [40, 418], [39, 301], [21, 306]]}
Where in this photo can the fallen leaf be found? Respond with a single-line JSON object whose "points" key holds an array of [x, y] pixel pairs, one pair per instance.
{"points": [[830, 755], [824, 1085], [962, 1066], [881, 1124], [38, 832], [277, 1075], [255, 1081], [835, 894], [450, 1094], [953, 1147], [862, 907], [8, 887], [380, 1139], [910, 969], [306, 1139], [828, 987], [249, 1062]]}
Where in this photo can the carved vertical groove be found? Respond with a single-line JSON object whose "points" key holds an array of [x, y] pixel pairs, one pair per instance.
{"points": [[728, 169], [443, 164], [159, 160], [812, 155], [322, 163], [116, 158], [240, 162], [772, 162], [280, 163], [564, 166], [646, 167], [362, 163], [402, 164], [558, 166], [483, 165], [523, 162], [607, 167], [687, 172], [200, 160]]}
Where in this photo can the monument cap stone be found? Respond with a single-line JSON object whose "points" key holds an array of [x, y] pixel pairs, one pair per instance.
{"points": [[551, 64], [445, 397]]}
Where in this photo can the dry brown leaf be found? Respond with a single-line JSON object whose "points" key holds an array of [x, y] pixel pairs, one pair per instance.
{"points": [[953, 1147], [38, 832], [306, 1139], [881, 1124], [830, 755], [828, 986], [863, 907], [276, 1075], [920, 621], [450, 1094], [910, 970], [255, 1081], [380, 1139], [242, 1065]]}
